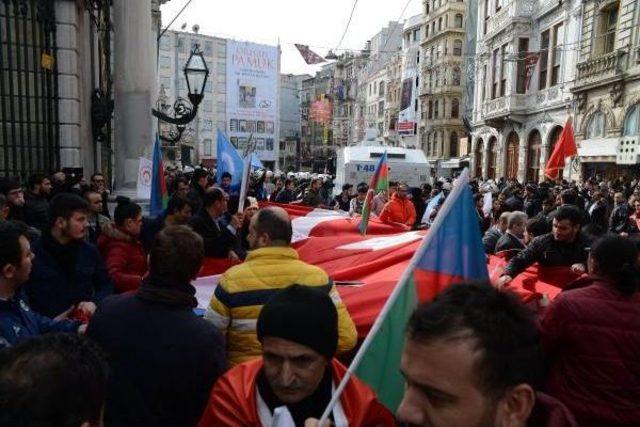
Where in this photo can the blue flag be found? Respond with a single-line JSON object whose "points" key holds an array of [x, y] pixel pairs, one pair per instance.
{"points": [[229, 160], [255, 162]]}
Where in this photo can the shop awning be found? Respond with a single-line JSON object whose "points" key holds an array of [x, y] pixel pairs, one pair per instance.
{"points": [[598, 150]]}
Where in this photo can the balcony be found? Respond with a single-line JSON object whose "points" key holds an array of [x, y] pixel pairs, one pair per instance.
{"points": [[515, 10], [505, 106], [601, 69]]}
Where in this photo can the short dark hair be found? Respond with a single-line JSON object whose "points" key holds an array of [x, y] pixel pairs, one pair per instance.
{"points": [[569, 197], [211, 196], [52, 380], [10, 249], [199, 173], [272, 224], [477, 197], [8, 184], [570, 212], [176, 204], [64, 205], [93, 176], [501, 328], [226, 175], [125, 210], [36, 179], [537, 226], [617, 257], [176, 254]]}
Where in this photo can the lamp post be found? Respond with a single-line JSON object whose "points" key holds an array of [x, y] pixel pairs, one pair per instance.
{"points": [[196, 72]]}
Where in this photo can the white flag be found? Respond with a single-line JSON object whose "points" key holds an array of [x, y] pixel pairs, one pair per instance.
{"points": [[145, 174]]}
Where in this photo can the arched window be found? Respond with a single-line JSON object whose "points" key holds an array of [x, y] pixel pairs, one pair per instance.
{"points": [[455, 81], [512, 151], [493, 157], [381, 88], [632, 121], [430, 109], [435, 108], [427, 8], [455, 108], [453, 145], [596, 126], [457, 47], [479, 157], [534, 144], [440, 24], [458, 21]]}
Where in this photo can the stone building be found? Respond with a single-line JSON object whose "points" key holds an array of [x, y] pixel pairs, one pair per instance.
{"points": [[525, 69], [441, 90], [290, 119], [607, 88], [348, 67]]}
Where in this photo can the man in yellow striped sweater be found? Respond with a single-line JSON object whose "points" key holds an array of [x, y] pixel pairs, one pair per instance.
{"points": [[271, 265]]}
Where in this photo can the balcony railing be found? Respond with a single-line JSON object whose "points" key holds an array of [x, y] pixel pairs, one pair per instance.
{"points": [[503, 106], [513, 9], [600, 68]]}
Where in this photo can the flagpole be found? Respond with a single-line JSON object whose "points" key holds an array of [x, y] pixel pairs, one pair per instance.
{"points": [[377, 324]]}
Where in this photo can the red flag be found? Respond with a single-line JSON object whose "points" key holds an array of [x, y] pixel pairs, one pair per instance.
{"points": [[530, 61], [309, 56], [565, 147]]}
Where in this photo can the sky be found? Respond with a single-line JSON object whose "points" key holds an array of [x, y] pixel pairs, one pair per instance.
{"points": [[319, 24]]}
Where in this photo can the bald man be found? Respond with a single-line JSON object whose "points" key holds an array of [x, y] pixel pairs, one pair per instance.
{"points": [[270, 266]]}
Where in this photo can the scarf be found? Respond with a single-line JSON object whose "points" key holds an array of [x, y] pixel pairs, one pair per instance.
{"points": [[167, 292], [312, 406]]}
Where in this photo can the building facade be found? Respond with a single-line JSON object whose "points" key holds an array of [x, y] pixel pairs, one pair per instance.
{"points": [[525, 69], [290, 119], [441, 90], [607, 89]]}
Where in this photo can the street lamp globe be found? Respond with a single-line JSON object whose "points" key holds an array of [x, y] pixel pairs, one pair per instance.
{"points": [[196, 72]]}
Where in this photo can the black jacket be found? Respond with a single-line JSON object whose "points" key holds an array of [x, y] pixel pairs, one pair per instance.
{"points": [[514, 203], [598, 215], [532, 207], [547, 251], [510, 244], [285, 196], [218, 239], [490, 240], [163, 359], [36, 211], [619, 221]]}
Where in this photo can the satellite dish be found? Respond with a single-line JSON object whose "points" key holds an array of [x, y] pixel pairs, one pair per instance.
{"points": [[183, 26], [195, 28]]}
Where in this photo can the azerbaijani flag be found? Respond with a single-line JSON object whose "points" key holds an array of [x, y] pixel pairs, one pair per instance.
{"points": [[379, 182], [450, 252], [159, 193]]}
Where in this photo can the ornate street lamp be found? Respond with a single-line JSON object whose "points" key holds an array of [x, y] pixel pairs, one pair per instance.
{"points": [[196, 73]]}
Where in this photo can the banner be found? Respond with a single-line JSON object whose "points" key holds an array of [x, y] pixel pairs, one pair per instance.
{"points": [[309, 56], [407, 116], [252, 97], [144, 178], [530, 62]]}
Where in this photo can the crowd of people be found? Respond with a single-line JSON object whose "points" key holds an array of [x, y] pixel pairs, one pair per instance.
{"points": [[98, 327]]}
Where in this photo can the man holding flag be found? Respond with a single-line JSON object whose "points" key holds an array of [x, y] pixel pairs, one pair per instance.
{"points": [[379, 182], [399, 210]]}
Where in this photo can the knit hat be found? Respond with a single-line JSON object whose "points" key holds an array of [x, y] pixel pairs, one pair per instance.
{"points": [[303, 315]]}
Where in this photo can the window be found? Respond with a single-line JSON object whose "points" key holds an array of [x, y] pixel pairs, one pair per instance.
{"points": [[632, 121], [418, 57], [483, 84], [503, 73], [493, 157], [430, 115], [544, 60], [455, 108], [534, 145], [608, 24], [435, 109], [499, 4], [208, 147], [426, 31], [523, 48], [416, 35], [415, 105], [380, 108], [440, 24], [433, 27], [457, 47], [453, 144], [486, 16], [458, 21], [381, 89], [596, 126], [556, 54], [496, 74], [426, 8], [456, 76]]}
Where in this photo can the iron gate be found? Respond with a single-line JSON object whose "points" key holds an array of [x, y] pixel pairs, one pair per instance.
{"points": [[29, 137]]}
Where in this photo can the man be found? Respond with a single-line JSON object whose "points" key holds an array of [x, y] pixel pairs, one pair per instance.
{"points": [[181, 187], [98, 184], [512, 241], [491, 237], [96, 221], [67, 271], [343, 200], [278, 188], [36, 204], [516, 201], [287, 195], [472, 358], [357, 203], [569, 197], [635, 218], [17, 321], [225, 185], [59, 183], [597, 211], [312, 197], [164, 358], [178, 212], [564, 246], [295, 377], [382, 198], [199, 183], [51, 381], [12, 190], [270, 266], [219, 238], [399, 211], [619, 221]]}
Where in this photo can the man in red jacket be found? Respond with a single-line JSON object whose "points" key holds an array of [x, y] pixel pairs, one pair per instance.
{"points": [[399, 210], [295, 378]]}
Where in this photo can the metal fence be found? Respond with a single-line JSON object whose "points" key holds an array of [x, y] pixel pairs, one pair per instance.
{"points": [[29, 123]]}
